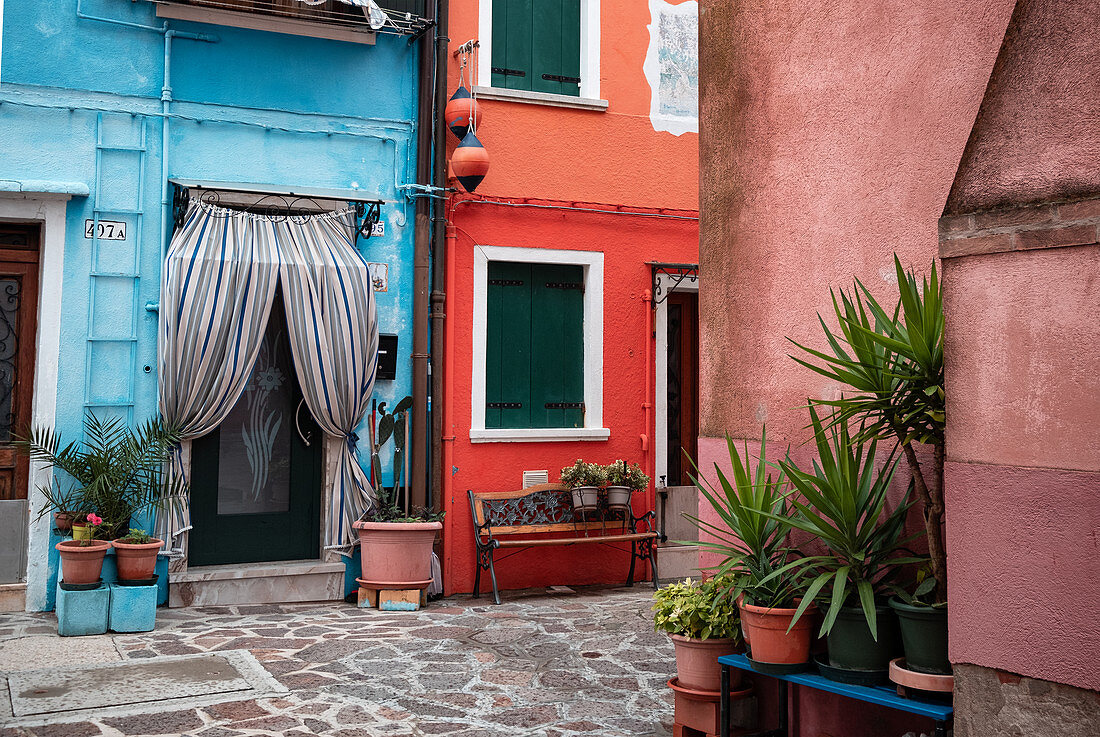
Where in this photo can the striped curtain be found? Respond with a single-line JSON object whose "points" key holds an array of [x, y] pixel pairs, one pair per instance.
{"points": [[219, 282], [334, 340]]}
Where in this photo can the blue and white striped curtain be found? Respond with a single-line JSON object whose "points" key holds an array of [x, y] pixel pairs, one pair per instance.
{"points": [[219, 283]]}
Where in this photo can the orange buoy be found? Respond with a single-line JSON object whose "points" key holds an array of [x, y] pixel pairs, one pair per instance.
{"points": [[470, 162], [461, 109]]}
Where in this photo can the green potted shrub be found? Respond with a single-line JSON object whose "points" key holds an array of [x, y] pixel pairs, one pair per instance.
{"points": [[703, 623], [116, 472], [842, 502], [395, 540], [585, 480], [622, 481], [923, 624], [892, 361], [752, 540]]}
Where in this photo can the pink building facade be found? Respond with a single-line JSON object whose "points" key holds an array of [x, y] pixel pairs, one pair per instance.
{"points": [[966, 131]]}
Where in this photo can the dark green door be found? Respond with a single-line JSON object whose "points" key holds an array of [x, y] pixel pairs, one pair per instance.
{"points": [[255, 480]]}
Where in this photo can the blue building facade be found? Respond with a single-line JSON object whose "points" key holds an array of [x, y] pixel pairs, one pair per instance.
{"points": [[106, 108]]}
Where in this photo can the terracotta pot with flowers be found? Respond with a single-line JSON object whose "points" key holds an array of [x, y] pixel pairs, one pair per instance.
{"points": [[82, 560], [585, 480], [136, 555], [622, 481], [702, 620]]}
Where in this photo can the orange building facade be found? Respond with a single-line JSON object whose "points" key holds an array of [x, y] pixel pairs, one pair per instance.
{"points": [[592, 190]]}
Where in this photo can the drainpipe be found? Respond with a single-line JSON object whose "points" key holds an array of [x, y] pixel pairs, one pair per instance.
{"points": [[649, 462], [425, 134], [441, 242], [448, 437]]}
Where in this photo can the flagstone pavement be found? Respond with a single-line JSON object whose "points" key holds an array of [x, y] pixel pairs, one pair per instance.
{"points": [[543, 663]]}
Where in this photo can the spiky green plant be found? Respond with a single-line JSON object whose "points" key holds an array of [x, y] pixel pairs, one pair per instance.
{"points": [[893, 363], [843, 504], [752, 537], [117, 471]]}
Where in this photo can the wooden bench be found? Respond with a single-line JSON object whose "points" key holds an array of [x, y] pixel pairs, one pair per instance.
{"points": [[548, 508]]}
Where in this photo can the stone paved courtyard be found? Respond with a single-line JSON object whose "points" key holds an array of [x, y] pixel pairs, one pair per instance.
{"points": [[543, 663]]}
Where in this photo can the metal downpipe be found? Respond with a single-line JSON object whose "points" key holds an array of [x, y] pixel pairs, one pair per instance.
{"points": [[440, 245]]}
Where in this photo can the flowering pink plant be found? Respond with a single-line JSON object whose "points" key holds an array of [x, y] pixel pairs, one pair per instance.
{"points": [[94, 521]]}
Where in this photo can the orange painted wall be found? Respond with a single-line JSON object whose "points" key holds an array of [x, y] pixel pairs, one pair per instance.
{"points": [[563, 156]]}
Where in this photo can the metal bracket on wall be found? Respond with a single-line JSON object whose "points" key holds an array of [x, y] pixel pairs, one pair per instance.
{"points": [[412, 191], [679, 272]]}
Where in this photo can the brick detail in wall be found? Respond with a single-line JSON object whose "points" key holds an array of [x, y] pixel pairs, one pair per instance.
{"points": [[1050, 225]]}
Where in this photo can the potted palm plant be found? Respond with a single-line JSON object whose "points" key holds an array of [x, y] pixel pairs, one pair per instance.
{"points": [[703, 623], [622, 481], [585, 480], [843, 504], [892, 361], [395, 541], [751, 537], [116, 472]]}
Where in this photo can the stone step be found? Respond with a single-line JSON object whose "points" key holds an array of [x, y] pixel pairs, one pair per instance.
{"points": [[281, 582], [677, 562]]}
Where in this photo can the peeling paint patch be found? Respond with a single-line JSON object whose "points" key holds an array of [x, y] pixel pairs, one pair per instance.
{"points": [[672, 66]]}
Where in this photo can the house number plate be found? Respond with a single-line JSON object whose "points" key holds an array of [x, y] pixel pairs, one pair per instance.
{"points": [[109, 230]]}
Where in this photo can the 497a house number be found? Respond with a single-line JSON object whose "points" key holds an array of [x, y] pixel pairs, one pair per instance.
{"points": [[108, 230]]}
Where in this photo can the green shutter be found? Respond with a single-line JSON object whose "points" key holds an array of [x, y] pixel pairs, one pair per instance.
{"points": [[534, 346], [536, 39]]}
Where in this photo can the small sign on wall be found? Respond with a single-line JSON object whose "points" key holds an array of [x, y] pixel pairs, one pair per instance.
{"points": [[379, 276], [108, 230]]}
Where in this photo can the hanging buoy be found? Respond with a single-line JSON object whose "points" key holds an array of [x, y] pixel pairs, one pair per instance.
{"points": [[461, 108], [470, 162]]}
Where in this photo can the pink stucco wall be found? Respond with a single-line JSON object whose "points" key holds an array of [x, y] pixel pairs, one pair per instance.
{"points": [[829, 138], [1037, 137]]}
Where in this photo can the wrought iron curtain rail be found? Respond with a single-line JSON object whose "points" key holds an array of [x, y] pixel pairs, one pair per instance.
{"points": [[679, 273], [275, 205]]}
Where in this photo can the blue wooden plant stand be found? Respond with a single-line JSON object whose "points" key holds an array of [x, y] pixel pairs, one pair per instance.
{"points": [[939, 712]]}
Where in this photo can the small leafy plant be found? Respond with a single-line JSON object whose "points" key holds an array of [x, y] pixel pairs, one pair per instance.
{"points": [[137, 536], [630, 476], [583, 473], [703, 611]]}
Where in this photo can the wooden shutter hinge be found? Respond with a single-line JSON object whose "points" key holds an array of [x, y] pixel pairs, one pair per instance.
{"points": [[560, 78], [506, 282], [564, 405], [509, 72], [504, 405], [565, 285]]}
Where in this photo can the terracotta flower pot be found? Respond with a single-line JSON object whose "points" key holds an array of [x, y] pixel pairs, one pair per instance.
{"points": [[766, 632], [136, 562], [697, 662], [63, 521], [397, 555], [82, 564]]}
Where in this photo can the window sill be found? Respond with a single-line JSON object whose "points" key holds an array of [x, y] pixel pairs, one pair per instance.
{"points": [[539, 435], [540, 98]]}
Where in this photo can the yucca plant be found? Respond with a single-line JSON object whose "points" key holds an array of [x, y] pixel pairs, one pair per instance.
{"points": [[117, 471], [893, 362], [752, 539], [842, 503]]}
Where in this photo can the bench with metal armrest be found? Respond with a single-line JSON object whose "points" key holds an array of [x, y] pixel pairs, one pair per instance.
{"points": [[508, 519]]}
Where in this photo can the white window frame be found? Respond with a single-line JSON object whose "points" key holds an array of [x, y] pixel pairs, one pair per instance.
{"points": [[668, 283], [590, 62], [592, 263]]}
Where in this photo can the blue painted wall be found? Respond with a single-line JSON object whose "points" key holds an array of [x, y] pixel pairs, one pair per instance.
{"points": [[252, 106]]}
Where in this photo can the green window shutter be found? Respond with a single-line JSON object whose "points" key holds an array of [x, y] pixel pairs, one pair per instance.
{"points": [[534, 346], [537, 45]]}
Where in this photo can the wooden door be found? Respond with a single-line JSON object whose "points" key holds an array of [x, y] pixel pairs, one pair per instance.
{"points": [[18, 328], [256, 479], [683, 385]]}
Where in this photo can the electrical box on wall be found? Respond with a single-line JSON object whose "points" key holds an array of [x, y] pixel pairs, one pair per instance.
{"points": [[387, 357]]}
